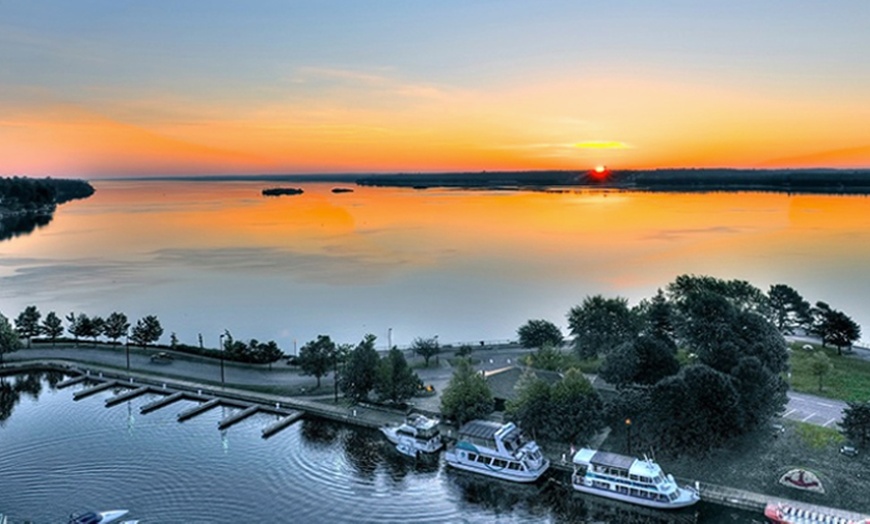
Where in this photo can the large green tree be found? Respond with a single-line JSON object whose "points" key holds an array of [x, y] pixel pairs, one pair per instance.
{"points": [[116, 326], [396, 381], [8, 338], [856, 423], [79, 326], [146, 331], [547, 357], [644, 360], [426, 348], [52, 327], [467, 396], [657, 319], [577, 409], [787, 308], [537, 333], [316, 357], [740, 293], [820, 366], [27, 323], [601, 324], [360, 371], [841, 330], [531, 408], [693, 411]]}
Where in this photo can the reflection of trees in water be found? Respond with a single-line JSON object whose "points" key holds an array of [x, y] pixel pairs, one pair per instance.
{"points": [[27, 383], [22, 224], [319, 433], [499, 496], [361, 451]]}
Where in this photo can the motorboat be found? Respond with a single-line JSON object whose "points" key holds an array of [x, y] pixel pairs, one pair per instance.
{"points": [[417, 434], [101, 517], [497, 450], [629, 479]]}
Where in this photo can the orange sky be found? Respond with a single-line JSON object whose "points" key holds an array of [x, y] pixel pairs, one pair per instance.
{"points": [[129, 98]]}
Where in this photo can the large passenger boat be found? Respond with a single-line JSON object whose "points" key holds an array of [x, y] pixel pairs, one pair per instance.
{"points": [[418, 434], [497, 450], [628, 479]]}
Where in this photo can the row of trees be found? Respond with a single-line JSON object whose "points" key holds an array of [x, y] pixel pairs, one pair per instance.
{"points": [[114, 327], [252, 351], [360, 371], [25, 194]]}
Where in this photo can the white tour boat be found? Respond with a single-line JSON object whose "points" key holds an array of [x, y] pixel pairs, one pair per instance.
{"points": [[497, 450], [418, 434], [628, 479], [102, 517]]}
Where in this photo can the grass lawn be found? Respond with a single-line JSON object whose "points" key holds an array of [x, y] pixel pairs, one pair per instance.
{"points": [[848, 380], [756, 461]]}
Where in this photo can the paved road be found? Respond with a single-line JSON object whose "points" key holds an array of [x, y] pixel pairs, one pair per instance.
{"points": [[801, 407]]}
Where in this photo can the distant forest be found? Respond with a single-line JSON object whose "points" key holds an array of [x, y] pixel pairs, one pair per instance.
{"points": [[781, 180], [28, 203]]}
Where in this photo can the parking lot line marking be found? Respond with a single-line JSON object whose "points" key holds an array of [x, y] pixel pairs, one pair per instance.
{"points": [[789, 412], [828, 422], [826, 404], [811, 415]]}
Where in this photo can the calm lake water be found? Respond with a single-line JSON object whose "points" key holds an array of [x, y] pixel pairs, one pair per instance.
{"points": [[59, 456], [464, 265]]}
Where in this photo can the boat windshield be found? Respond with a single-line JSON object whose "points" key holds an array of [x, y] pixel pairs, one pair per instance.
{"points": [[86, 518]]}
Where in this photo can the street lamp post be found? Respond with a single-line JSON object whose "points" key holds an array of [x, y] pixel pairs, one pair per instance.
{"points": [[628, 433], [127, 345], [221, 338]]}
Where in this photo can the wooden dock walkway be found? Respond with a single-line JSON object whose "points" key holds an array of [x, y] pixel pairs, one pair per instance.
{"points": [[109, 384], [129, 395], [198, 410]]}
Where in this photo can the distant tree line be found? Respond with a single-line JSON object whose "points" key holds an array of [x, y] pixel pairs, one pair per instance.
{"points": [[29, 194], [146, 331]]}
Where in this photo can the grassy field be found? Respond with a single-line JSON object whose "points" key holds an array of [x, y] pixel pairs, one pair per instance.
{"points": [[848, 380]]}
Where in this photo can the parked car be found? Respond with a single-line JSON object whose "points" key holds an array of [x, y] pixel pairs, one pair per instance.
{"points": [[849, 451], [162, 358]]}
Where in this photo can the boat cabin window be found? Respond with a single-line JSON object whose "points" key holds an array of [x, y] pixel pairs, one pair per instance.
{"points": [[483, 460], [499, 463], [514, 466], [472, 456]]}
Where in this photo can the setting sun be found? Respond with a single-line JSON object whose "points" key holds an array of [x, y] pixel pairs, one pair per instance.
{"points": [[600, 169]]}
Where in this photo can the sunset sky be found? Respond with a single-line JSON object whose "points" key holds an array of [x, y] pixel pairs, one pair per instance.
{"points": [[123, 88]]}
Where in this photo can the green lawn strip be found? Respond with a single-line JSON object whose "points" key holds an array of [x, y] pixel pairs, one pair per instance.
{"points": [[848, 380]]}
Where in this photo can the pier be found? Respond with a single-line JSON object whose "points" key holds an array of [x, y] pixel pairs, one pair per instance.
{"points": [[109, 384], [198, 410]]}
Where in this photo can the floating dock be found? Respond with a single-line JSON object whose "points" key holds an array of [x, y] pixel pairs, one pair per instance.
{"points": [[198, 410], [282, 423], [238, 417], [78, 395], [123, 397]]}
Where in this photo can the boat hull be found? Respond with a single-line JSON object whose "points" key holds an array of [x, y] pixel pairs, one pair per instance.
{"points": [[784, 514], [681, 502], [527, 477]]}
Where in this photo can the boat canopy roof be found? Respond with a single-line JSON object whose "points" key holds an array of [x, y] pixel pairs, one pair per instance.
{"points": [[86, 518], [603, 458], [482, 429]]}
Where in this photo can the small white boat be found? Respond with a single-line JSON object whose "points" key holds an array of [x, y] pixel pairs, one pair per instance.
{"points": [[497, 450], [101, 517], [628, 479], [418, 434]]}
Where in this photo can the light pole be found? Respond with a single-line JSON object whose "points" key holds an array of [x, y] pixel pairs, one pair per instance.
{"points": [[127, 345], [628, 430], [221, 338]]}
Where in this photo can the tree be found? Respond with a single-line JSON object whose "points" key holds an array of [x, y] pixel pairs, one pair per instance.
{"points": [[360, 371], [116, 326], [762, 392], [79, 326], [266, 352], [467, 396], [601, 324], [657, 319], [27, 323], [842, 331], [739, 293], [856, 423], [694, 410], [788, 309], [8, 338], [426, 348], [820, 365], [547, 357], [96, 328], [315, 357], [146, 331], [645, 360], [464, 350], [531, 407], [52, 327], [396, 381], [577, 412], [536, 333]]}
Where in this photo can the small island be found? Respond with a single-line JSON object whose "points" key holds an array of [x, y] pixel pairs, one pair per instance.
{"points": [[278, 191], [342, 190], [29, 203]]}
